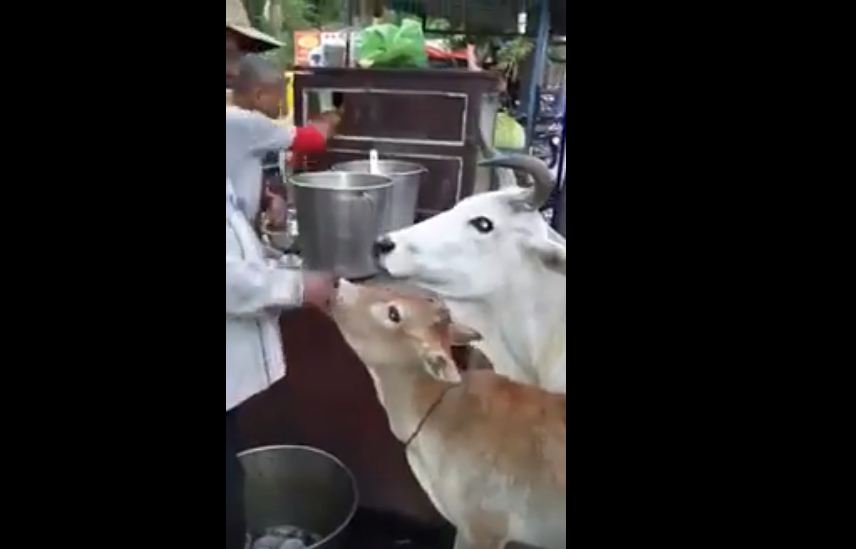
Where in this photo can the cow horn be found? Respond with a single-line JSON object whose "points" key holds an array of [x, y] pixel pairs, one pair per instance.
{"points": [[544, 184]]}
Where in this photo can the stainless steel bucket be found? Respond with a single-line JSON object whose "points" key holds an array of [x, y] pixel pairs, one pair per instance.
{"points": [[298, 486], [407, 179], [339, 217]]}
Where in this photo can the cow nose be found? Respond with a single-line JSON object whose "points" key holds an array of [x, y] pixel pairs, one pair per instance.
{"points": [[383, 246]]}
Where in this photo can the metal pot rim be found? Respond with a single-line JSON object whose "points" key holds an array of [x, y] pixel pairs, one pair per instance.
{"points": [[413, 168], [302, 181], [354, 506]]}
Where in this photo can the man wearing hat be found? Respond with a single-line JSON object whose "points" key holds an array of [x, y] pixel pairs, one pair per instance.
{"points": [[242, 38], [256, 291]]}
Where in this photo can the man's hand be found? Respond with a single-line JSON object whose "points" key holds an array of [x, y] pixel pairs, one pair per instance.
{"points": [[318, 289], [276, 214], [327, 123]]}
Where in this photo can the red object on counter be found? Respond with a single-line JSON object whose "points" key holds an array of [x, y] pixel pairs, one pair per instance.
{"points": [[437, 53]]}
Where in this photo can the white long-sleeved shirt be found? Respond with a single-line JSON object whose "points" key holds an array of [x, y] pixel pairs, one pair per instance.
{"points": [[250, 136], [256, 292]]}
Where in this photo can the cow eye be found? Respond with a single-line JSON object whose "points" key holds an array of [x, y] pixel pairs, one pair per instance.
{"points": [[482, 225], [394, 314]]}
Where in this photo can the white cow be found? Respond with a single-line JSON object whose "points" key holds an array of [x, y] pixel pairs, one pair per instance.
{"points": [[500, 268]]}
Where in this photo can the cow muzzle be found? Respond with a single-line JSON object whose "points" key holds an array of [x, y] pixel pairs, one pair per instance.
{"points": [[383, 247], [394, 257]]}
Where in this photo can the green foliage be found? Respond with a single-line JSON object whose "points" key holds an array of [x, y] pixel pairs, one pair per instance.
{"points": [[287, 16], [512, 54], [456, 41], [328, 12]]}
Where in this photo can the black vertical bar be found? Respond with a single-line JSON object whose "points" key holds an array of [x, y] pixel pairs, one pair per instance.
{"points": [[541, 46]]}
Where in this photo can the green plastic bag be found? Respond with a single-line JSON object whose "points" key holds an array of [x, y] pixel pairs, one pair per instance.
{"points": [[509, 135], [391, 46]]}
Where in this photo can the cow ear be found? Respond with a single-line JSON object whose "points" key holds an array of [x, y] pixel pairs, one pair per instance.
{"points": [[462, 336], [552, 255], [442, 366], [521, 200]]}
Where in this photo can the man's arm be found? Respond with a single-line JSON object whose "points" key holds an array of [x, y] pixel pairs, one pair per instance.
{"points": [[252, 289], [263, 135], [258, 133]]}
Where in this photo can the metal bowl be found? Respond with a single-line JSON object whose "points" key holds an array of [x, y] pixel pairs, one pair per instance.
{"points": [[299, 486], [283, 240]]}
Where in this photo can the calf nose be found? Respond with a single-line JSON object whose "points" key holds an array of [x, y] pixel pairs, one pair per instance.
{"points": [[383, 246]]}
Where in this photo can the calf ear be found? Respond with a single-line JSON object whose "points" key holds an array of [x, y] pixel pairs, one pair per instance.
{"points": [[442, 366], [463, 336], [552, 255]]}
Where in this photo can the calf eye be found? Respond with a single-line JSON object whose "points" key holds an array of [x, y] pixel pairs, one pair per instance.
{"points": [[394, 314], [482, 225]]}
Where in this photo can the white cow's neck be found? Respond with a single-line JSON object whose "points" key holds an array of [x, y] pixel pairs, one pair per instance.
{"points": [[519, 322]]}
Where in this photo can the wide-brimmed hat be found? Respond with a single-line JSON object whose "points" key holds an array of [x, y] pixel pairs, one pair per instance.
{"points": [[238, 21]]}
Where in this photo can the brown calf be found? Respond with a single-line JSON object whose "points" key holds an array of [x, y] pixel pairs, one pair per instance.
{"points": [[489, 452]]}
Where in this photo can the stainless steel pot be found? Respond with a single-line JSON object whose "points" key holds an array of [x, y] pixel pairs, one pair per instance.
{"points": [[339, 217], [407, 179], [298, 486]]}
